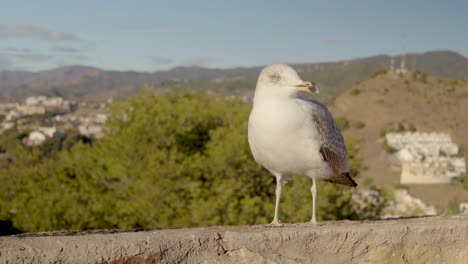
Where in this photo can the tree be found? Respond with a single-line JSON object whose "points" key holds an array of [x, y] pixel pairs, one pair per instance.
{"points": [[170, 160]]}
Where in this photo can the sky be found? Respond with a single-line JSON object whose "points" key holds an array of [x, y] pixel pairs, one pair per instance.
{"points": [[159, 35]]}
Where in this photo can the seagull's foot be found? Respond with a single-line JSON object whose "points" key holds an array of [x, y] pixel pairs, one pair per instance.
{"points": [[275, 222], [312, 222]]}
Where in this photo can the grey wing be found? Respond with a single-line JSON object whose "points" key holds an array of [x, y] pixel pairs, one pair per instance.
{"points": [[332, 146]]}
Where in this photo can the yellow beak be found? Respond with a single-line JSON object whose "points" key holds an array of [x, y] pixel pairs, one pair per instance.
{"points": [[308, 87]]}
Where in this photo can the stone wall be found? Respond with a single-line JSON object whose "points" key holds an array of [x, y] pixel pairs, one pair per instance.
{"points": [[417, 240]]}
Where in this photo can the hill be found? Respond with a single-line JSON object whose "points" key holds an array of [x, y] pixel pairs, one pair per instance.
{"points": [[414, 101], [81, 82]]}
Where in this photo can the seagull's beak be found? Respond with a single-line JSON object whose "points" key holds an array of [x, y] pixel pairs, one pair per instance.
{"points": [[308, 86]]}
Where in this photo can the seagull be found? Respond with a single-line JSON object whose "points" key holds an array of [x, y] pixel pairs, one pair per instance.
{"points": [[291, 133]]}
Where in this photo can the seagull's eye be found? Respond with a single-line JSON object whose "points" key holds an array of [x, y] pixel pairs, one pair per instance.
{"points": [[276, 77]]}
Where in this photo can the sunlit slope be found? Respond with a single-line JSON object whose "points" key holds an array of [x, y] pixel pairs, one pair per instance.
{"points": [[414, 101]]}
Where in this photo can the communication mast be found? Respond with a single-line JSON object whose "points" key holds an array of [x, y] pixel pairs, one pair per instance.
{"points": [[403, 55], [392, 63], [402, 69]]}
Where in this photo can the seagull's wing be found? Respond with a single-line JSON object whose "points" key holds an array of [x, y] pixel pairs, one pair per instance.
{"points": [[332, 145]]}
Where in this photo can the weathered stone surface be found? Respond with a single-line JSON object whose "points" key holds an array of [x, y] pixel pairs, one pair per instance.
{"points": [[417, 240]]}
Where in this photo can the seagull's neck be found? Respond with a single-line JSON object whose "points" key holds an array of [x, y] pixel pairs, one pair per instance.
{"points": [[309, 99], [271, 94]]}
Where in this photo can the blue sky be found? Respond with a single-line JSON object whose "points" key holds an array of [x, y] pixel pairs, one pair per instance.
{"points": [[157, 35]]}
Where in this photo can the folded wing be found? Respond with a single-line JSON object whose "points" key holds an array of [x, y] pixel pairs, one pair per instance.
{"points": [[332, 147]]}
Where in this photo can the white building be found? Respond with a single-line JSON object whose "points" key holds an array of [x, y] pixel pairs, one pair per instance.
{"points": [[406, 205], [434, 172], [30, 110], [91, 131], [427, 144], [464, 208], [53, 102], [48, 131], [101, 118], [35, 138], [426, 157], [5, 126], [32, 100]]}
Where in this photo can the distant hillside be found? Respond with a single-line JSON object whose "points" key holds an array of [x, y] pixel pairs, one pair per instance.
{"points": [[74, 82], [413, 101]]}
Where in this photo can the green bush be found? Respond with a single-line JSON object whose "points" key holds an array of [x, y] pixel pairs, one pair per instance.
{"points": [[359, 124], [401, 186], [355, 163], [453, 83], [453, 206], [355, 91], [387, 147], [165, 161], [412, 127], [368, 183], [342, 123], [378, 72], [463, 179], [420, 76]]}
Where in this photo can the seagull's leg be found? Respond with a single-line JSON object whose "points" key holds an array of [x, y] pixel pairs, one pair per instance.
{"points": [[279, 185], [313, 190]]}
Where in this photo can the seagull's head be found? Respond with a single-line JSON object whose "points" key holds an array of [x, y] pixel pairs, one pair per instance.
{"points": [[282, 79]]}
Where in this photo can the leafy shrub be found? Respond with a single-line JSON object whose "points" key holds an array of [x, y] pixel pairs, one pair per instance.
{"points": [[463, 179], [355, 91], [387, 147], [378, 72], [453, 83], [359, 124], [401, 186], [420, 76], [342, 122], [379, 101], [165, 161], [453, 206], [355, 164]]}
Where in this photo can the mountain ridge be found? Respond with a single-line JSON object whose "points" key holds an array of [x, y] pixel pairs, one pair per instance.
{"points": [[78, 81]]}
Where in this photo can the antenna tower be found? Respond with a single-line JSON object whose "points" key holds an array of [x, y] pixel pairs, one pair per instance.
{"points": [[392, 63], [403, 54]]}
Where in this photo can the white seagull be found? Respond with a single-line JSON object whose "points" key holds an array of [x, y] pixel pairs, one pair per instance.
{"points": [[290, 133]]}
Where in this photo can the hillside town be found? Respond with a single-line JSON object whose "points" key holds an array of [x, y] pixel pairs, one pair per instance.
{"points": [[43, 118]]}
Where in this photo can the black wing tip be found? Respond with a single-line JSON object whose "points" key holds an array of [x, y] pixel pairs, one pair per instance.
{"points": [[351, 183], [343, 179]]}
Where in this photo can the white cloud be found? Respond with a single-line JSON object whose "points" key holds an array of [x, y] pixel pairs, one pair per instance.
{"points": [[66, 49], [11, 55], [33, 31], [328, 40], [5, 62], [160, 60], [11, 49], [32, 56], [199, 61], [148, 26]]}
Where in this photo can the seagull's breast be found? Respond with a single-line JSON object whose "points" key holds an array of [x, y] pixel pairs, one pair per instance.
{"points": [[283, 138]]}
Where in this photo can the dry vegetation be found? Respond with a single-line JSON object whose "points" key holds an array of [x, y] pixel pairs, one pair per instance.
{"points": [[413, 102]]}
